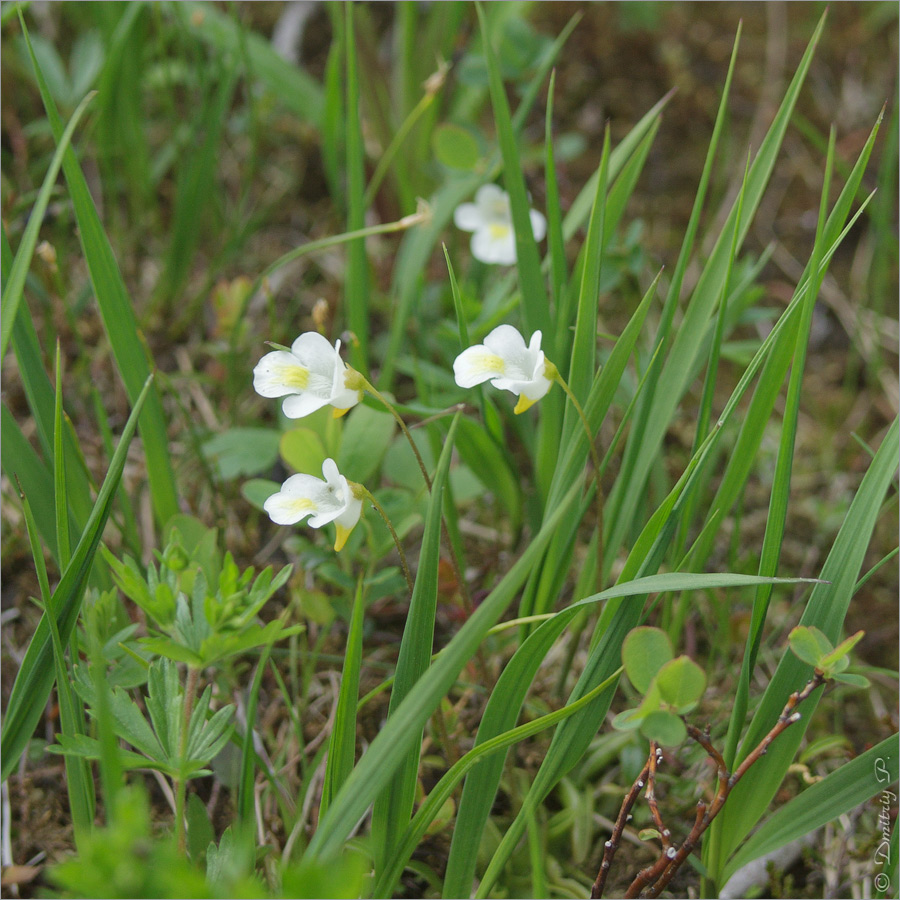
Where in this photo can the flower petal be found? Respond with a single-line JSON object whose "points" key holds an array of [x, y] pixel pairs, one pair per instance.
{"points": [[467, 217], [493, 203], [299, 496], [507, 342], [316, 353], [494, 245], [476, 365], [279, 373], [299, 405], [538, 224]]}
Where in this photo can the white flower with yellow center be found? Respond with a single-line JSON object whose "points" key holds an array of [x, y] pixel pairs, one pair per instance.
{"points": [[489, 217], [309, 376], [332, 500], [505, 361]]}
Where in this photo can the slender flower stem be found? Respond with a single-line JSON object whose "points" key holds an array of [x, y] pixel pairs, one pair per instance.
{"points": [[552, 373], [190, 693], [371, 498], [354, 378]]}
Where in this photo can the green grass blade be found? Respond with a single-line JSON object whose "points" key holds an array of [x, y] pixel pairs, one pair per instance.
{"points": [[22, 464], [14, 282], [439, 794], [535, 310], [35, 677], [781, 482], [558, 267], [299, 92], [393, 807], [356, 286], [825, 609], [118, 317], [645, 440], [837, 793], [584, 347], [59, 474], [342, 744], [386, 752], [79, 784]]}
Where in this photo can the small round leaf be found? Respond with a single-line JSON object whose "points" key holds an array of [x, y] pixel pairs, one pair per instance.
{"points": [[681, 683], [665, 728], [456, 147], [645, 651]]}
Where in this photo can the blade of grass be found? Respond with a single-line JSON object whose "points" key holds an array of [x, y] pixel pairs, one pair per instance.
{"points": [[299, 92], [394, 805], [14, 282], [645, 440], [125, 338], [79, 785], [836, 794], [34, 680], [825, 609], [342, 743], [356, 286], [387, 751], [59, 473], [558, 268], [535, 310]]}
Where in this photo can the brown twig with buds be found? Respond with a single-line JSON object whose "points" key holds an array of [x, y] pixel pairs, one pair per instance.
{"points": [[653, 879]]}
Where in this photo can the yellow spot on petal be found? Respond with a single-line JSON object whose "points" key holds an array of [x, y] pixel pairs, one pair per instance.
{"points": [[301, 504], [488, 362], [337, 413], [523, 404], [295, 377], [341, 537], [499, 232]]}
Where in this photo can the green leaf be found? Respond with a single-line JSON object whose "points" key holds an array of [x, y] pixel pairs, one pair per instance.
{"points": [[367, 435], [200, 832], [859, 681], [681, 683], [809, 644], [243, 451], [645, 651], [302, 449], [628, 720], [840, 653], [664, 727], [455, 147], [257, 490]]}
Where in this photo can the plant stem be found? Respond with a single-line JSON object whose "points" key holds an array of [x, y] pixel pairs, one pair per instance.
{"points": [[454, 562], [190, 693], [371, 498]]}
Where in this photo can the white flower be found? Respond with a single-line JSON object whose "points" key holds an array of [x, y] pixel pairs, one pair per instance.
{"points": [[331, 500], [504, 359], [494, 240], [309, 376]]}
